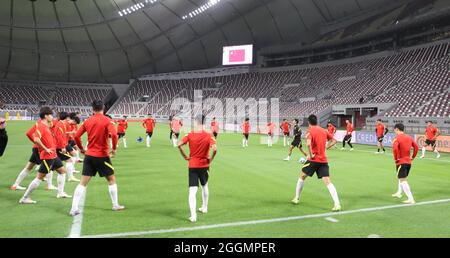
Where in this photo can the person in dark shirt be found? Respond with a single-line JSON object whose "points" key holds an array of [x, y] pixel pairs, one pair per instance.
{"points": [[297, 142], [3, 136]]}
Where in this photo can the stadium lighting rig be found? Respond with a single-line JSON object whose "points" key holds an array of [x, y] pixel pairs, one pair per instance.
{"points": [[201, 9], [136, 7]]}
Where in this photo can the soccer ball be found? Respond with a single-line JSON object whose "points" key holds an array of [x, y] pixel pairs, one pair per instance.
{"points": [[302, 160]]}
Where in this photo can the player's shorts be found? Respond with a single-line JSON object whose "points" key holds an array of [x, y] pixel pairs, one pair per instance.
{"points": [[121, 135], [287, 134], [430, 143], [69, 148], [403, 170], [321, 169], [177, 135], [49, 165], [380, 139], [297, 143], [198, 174], [150, 134], [35, 156], [270, 134], [348, 138], [62, 156], [171, 133], [246, 136], [215, 134], [94, 165], [72, 143]]}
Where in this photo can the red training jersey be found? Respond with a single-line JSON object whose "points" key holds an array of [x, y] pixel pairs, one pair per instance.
{"points": [[350, 128], [59, 131], [176, 125], [214, 126], [319, 138], [431, 133], [331, 129], [149, 125], [199, 145], [44, 133], [270, 128], [98, 128], [122, 126], [285, 127], [246, 127], [380, 130], [402, 146], [30, 133]]}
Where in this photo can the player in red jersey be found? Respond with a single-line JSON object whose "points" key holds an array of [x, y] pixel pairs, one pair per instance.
{"points": [[331, 128], [286, 129], [176, 124], [122, 126], [72, 128], [149, 124], [348, 135], [215, 127], [431, 133], [401, 148], [62, 147], [246, 132], [200, 143], [270, 133], [3, 136], [97, 158], [44, 138], [317, 163], [380, 131]]}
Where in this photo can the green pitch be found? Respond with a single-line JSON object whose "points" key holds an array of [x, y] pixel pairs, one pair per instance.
{"points": [[246, 185]]}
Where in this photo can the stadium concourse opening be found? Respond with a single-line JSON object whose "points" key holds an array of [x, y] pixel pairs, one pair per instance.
{"points": [[206, 119]]}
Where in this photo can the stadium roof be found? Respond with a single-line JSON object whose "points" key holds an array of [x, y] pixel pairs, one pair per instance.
{"points": [[90, 41]]}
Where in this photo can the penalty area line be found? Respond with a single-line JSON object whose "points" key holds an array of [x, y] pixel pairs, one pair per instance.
{"points": [[263, 221]]}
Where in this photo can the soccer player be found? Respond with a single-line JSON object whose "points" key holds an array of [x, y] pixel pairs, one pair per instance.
{"points": [[97, 157], [246, 132], [149, 125], [215, 127], [44, 138], [3, 136], [122, 126], [332, 130], [297, 142], [285, 128], [348, 135], [431, 133], [381, 131], [401, 148], [72, 128], [317, 138], [200, 143], [60, 134], [176, 125], [270, 132]]}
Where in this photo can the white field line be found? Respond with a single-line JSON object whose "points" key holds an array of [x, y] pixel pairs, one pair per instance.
{"points": [[265, 221], [75, 231], [331, 219]]}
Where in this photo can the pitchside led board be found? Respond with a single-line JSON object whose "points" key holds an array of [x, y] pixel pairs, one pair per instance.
{"points": [[238, 55]]}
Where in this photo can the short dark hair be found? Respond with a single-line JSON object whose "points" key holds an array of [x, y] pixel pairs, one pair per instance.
{"points": [[200, 119], [149, 115], [63, 115], [247, 119], [400, 127], [312, 120], [97, 105], [45, 111], [379, 120], [430, 122], [297, 121]]}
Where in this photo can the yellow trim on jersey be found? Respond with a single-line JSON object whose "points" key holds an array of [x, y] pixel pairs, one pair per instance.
{"points": [[109, 165], [307, 165], [40, 135], [65, 154], [398, 170], [46, 166], [62, 131]]}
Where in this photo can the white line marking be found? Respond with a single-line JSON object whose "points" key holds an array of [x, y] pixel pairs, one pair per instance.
{"points": [[330, 219], [75, 231], [373, 236], [389, 155], [265, 221]]}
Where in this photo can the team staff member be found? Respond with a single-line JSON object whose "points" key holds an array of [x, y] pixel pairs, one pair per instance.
{"points": [[149, 124], [381, 131], [401, 148], [3, 136], [317, 163], [200, 143], [97, 158], [431, 133], [44, 138]]}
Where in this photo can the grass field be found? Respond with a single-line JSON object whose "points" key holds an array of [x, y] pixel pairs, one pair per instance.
{"points": [[246, 185]]}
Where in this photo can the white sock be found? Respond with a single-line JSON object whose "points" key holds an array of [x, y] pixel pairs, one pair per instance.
{"points": [[284, 141], [25, 172], [437, 152], [61, 180], [299, 188], [424, 150], [77, 155], [114, 193], [243, 142], [148, 141], [33, 186], [70, 168], [399, 191], [205, 196], [49, 177], [193, 200], [246, 143], [124, 143], [407, 190], [174, 142], [334, 194], [79, 191]]}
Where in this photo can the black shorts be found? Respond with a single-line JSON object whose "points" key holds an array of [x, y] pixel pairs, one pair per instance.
{"points": [[198, 174], [215, 134], [270, 134], [121, 135], [69, 148], [72, 143], [92, 165], [62, 156], [246, 136], [403, 170], [35, 156], [297, 143], [348, 138], [150, 134], [177, 135], [287, 134], [380, 139], [430, 143], [50, 165], [321, 169]]}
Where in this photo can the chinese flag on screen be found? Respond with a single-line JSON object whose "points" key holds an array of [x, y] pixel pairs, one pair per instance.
{"points": [[237, 55]]}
